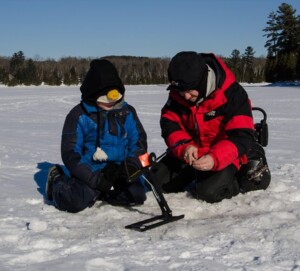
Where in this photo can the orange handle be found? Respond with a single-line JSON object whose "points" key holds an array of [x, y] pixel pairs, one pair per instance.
{"points": [[144, 159]]}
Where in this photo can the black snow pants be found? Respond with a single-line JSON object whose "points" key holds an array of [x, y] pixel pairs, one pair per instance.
{"points": [[73, 195], [211, 186]]}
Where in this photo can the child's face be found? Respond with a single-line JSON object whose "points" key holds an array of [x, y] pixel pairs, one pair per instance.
{"points": [[107, 101], [106, 106]]}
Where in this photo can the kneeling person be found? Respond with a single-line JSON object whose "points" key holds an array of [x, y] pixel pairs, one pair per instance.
{"points": [[210, 113]]}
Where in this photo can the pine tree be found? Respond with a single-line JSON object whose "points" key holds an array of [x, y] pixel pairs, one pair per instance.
{"points": [[3, 76], [30, 74], [73, 76], [270, 67], [16, 68], [272, 34], [67, 79], [287, 23], [248, 58], [283, 33], [235, 64]]}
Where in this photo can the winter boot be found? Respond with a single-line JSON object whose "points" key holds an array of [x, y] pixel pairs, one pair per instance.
{"points": [[53, 173], [132, 195], [254, 175]]}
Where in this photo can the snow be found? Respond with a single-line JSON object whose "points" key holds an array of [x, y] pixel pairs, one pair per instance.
{"points": [[256, 231]]}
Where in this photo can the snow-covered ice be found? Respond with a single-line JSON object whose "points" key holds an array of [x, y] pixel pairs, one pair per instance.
{"points": [[256, 231]]}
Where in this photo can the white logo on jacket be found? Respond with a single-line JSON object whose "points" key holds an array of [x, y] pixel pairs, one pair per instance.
{"points": [[211, 113]]}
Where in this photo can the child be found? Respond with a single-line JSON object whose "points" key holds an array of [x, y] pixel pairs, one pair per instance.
{"points": [[102, 139]]}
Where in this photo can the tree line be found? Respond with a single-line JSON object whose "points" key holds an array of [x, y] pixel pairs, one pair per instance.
{"points": [[281, 64], [18, 70], [283, 45]]}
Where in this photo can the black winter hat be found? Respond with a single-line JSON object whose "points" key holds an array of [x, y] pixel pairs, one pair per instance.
{"points": [[101, 77], [188, 70]]}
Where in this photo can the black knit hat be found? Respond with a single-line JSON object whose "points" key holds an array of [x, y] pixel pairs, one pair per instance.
{"points": [[186, 71], [101, 77]]}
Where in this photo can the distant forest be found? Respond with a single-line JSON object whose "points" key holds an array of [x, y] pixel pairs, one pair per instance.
{"points": [[282, 62], [133, 70]]}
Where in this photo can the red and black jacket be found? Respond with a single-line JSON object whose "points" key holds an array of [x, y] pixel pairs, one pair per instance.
{"points": [[221, 125]]}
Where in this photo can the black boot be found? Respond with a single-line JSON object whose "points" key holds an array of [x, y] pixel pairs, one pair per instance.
{"points": [[53, 173], [132, 195], [254, 175]]}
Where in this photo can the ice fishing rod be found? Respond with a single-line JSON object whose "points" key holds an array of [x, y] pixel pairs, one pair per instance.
{"points": [[148, 160], [180, 142]]}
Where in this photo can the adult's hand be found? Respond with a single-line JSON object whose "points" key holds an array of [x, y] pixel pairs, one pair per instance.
{"points": [[190, 154], [204, 163]]}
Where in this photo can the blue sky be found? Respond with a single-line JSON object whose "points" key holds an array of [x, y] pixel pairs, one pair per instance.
{"points": [[154, 28]]}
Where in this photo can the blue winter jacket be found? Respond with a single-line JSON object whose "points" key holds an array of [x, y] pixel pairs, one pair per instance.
{"points": [[121, 135]]}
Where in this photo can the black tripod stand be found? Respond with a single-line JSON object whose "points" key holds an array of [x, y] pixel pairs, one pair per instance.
{"points": [[166, 216]]}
